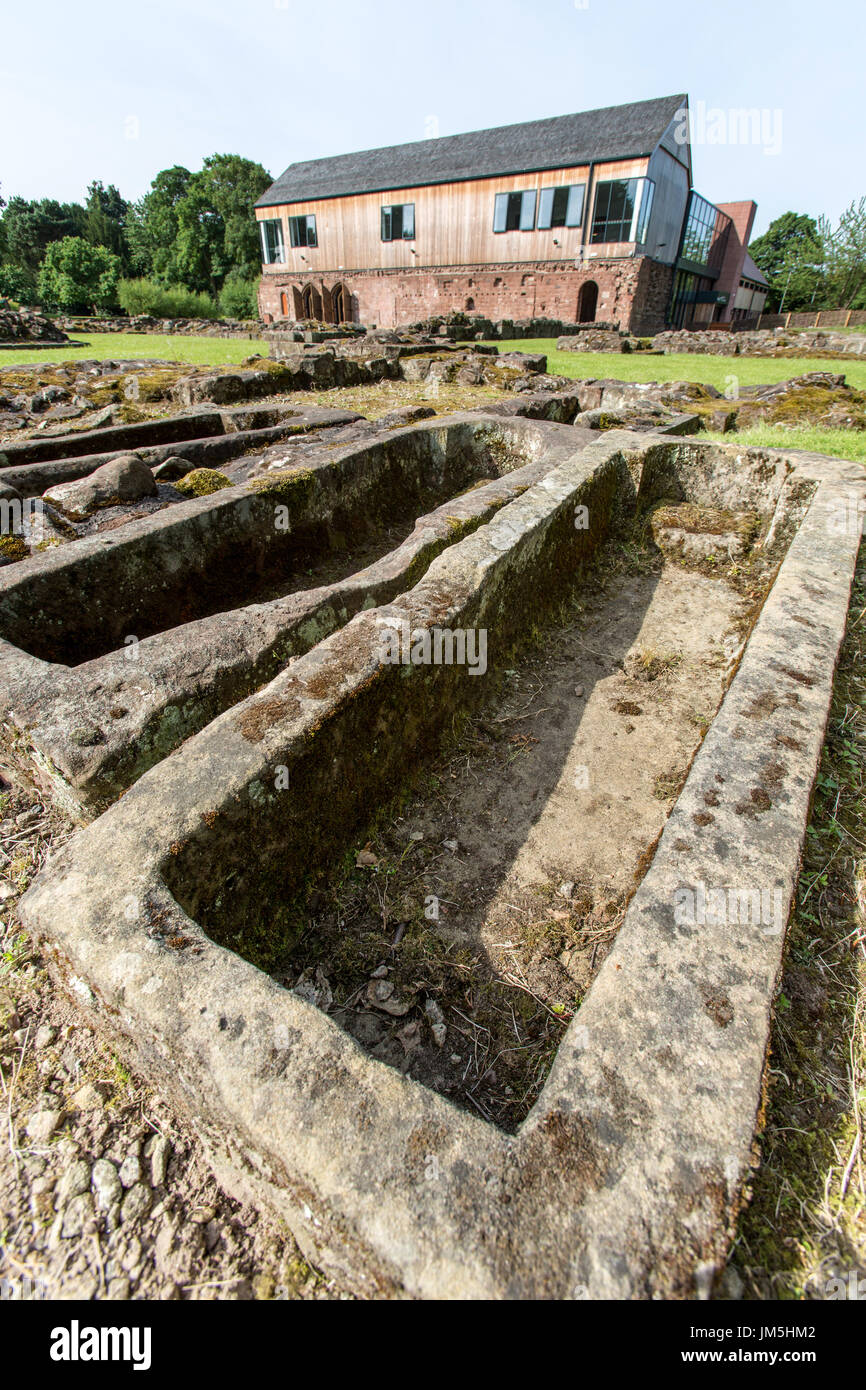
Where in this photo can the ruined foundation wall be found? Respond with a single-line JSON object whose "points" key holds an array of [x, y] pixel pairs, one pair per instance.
{"points": [[632, 292]]}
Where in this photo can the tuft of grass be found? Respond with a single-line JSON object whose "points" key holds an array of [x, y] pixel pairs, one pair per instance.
{"points": [[650, 664]]}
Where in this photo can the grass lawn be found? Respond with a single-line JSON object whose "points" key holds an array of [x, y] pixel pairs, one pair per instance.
{"points": [[203, 352], [685, 366], [843, 444]]}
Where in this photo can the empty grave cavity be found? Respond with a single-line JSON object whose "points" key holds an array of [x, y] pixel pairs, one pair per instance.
{"points": [[446, 861], [105, 723], [245, 544]]}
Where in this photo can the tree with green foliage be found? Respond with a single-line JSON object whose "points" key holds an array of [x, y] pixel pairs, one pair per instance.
{"points": [[152, 225], [845, 256], [105, 220], [232, 186], [18, 284], [76, 276], [195, 229], [30, 227], [790, 253]]}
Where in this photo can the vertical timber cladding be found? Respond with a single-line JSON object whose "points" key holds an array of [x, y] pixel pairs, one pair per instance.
{"points": [[632, 292], [456, 263]]}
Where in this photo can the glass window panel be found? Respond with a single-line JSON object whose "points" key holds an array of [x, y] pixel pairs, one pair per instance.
{"points": [[646, 203], [273, 249], [574, 211], [515, 204], [560, 206], [527, 211], [615, 202]]}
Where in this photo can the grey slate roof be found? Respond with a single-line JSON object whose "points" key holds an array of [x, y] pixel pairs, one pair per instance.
{"points": [[614, 132], [752, 272]]}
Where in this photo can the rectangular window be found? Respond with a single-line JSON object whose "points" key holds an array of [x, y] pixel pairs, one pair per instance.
{"points": [[514, 212], [622, 210], [398, 222], [646, 207], [561, 207], [302, 231], [706, 233], [273, 247]]}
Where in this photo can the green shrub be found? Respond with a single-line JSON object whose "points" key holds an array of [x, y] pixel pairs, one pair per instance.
{"points": [[239, 297], [164, 301], [76, 276], [18, 284]]}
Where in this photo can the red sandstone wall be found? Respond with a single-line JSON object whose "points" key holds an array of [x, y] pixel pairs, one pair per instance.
{"points": [[633, 292]]}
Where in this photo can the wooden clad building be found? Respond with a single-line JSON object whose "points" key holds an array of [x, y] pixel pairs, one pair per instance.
{"points": [[581, 217]]}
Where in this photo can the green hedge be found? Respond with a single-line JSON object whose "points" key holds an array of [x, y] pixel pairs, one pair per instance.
{"points": [[165, 301]]}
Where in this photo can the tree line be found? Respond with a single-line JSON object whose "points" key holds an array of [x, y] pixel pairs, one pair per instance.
{"points": [[188, 248], [811, 264]]}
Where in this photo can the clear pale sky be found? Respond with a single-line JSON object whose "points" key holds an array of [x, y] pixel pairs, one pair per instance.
{"points": [[114, 91]]}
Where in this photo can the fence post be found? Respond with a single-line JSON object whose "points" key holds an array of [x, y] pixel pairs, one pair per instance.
{"points": [[847, 318]]}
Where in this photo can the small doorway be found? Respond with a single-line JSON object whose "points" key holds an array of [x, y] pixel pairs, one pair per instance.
{"points": [[338, 301], [284, 304], [587, 302]]}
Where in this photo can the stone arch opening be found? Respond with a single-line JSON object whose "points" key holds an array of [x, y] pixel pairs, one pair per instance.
{"points": [[587, 302], [311, 301]]}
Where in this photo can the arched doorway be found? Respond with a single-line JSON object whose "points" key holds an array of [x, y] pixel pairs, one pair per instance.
{"points": [[587, 302], [338, 304], [284, 304], [311, 303]]}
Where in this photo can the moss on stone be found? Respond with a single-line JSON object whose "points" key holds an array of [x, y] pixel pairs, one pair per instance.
{"points": [[13, 548], [293, 486], [201, 482], [157, 385]]}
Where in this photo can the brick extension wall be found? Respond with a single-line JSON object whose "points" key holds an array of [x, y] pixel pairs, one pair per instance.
{"points": [[633, 292]]}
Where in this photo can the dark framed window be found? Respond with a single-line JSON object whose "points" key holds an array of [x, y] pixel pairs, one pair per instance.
{"points": [[398, 222], [561, 207], [706, 233], [302, 231], [514, 212], [622, 210], [273, 246]]}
